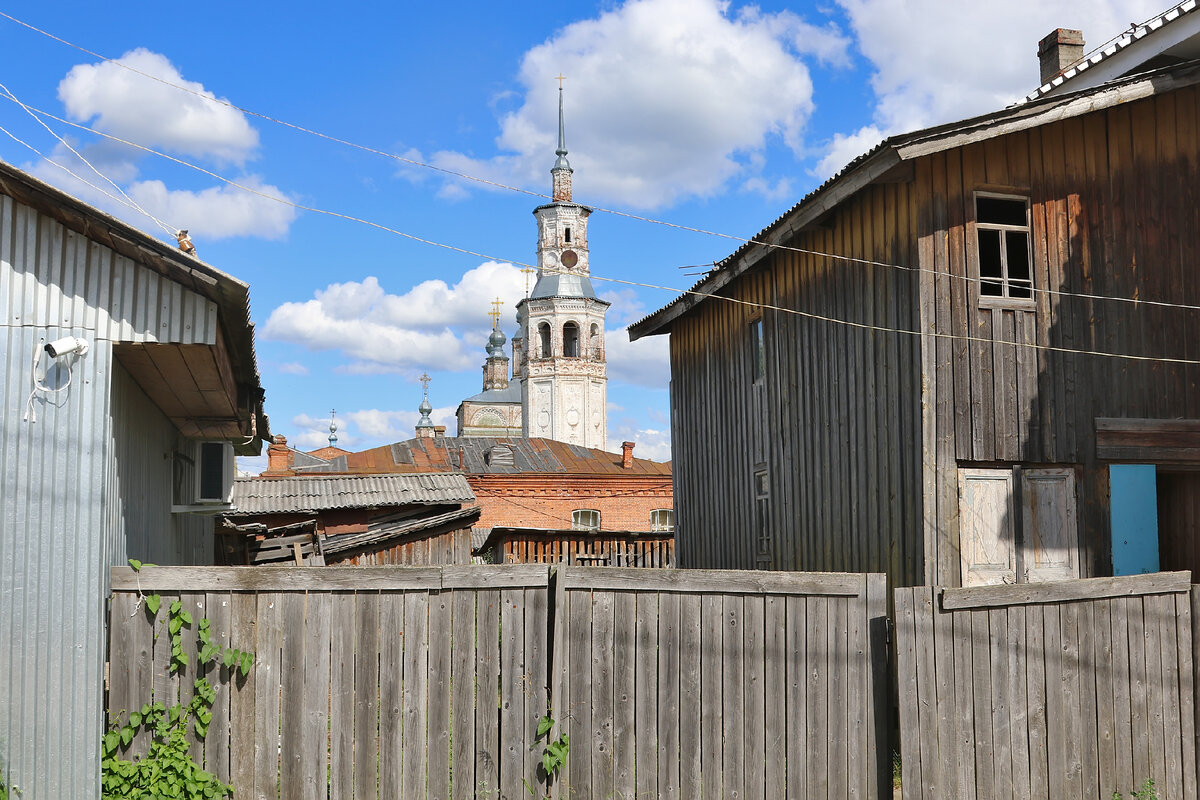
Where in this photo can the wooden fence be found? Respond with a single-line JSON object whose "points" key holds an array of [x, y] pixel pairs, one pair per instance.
{"points": [[709, 684], [380, 682], [428, 682], [1065, 690]]}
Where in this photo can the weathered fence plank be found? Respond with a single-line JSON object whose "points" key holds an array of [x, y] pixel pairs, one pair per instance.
{"points": [[763, 687], [1056, 691]]}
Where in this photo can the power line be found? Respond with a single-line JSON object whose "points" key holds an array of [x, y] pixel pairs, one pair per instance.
{"points": [[644, 285], [508, 187]]}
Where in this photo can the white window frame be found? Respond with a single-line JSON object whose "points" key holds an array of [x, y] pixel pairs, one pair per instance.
{"points": [[1004, 300], [657, 526], [577, 517]]}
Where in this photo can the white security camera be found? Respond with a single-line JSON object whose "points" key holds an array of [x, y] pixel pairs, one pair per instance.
{"points": [[66, 346]]}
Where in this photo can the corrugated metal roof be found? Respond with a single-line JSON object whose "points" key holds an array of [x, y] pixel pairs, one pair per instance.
{"points": [[1118, 44], [529, 456], [320, 493]]}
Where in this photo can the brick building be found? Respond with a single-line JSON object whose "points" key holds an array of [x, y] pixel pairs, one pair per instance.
{"points": [[520, 483]]}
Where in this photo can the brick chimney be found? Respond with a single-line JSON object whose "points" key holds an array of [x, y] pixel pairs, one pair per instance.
{"points": [[627, 455], [1059, 50], [279, 457]]}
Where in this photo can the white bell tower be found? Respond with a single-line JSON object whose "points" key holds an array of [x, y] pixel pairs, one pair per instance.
{"points": [[563, 374]]}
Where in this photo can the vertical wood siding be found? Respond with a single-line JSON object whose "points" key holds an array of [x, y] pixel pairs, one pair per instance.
{"points": [[838, 410], [1067, 690], [1113, 212], [721, 684]]}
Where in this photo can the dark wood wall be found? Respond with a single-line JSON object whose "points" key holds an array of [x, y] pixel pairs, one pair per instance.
{"points": [[1114, 213], [834, 419]]}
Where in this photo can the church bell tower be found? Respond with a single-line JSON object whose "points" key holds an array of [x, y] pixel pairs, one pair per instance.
{"points": [[563, 371]]}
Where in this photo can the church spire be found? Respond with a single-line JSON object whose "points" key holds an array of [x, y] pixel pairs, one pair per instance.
{"points": [[562, 168]]}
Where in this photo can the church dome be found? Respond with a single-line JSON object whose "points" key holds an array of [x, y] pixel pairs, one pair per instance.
{"points": [[496, 342]]}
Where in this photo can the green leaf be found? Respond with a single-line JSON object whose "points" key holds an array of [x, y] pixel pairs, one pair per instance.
{"points": [[135, 719], [544, 726], [247, 662], [186, 617], [176, 606], [137, 565], [126, 736], [174, 625], [152, 603]]}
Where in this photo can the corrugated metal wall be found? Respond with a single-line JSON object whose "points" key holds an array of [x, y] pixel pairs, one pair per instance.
{"points": [[69, 499]]}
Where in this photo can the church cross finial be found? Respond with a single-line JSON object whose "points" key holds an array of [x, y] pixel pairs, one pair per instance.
{"points": [[528, 271], [495, 312], [425, 379], [560, 79]]}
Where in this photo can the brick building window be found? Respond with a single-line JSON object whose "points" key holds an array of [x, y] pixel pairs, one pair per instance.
{"points": [[1002, 234], [585, 519], [662, 520]]}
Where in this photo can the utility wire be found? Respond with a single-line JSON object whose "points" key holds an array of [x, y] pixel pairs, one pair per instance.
{"points": [[539, 195], [129, 200], [644, 285]]}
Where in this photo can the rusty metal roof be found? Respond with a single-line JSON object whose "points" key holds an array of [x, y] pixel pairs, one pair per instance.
{"points": [[477, 455], [310, 493]]}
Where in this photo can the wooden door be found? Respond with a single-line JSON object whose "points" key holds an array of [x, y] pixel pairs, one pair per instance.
{"points": [[986, 526], [1050, 531]]}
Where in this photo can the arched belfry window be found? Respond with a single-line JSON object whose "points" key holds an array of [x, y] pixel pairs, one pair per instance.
{"points": [[594, 347], [544, 340], [571, 340]]}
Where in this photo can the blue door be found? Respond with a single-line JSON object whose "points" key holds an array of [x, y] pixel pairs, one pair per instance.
{"points": [[1133, 494]]}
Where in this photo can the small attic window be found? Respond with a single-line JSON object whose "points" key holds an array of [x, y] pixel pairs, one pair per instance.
{"points": [[567, 235], [1002, 234]]}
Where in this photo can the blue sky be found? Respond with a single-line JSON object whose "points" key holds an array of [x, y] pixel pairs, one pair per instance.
{"points": [[710, 115]]}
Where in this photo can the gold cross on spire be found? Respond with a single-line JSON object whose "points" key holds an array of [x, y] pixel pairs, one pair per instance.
{"points": [[560, 79], [495, 312], [425, 379], [528, 271]]}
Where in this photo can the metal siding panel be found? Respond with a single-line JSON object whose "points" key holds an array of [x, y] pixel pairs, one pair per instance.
{"points": [[52, 576], [62, 485]]}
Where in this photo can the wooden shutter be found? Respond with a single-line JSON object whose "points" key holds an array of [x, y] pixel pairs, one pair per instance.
{"points": [[1048, 526], [986, 526]]}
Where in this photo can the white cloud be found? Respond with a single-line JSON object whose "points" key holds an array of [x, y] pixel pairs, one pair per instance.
{"points": [[651, 443], [365, 428], [847, 147], [938, 62], [645, 362], [293, 368], [154, 114], [666, 99], [219, 211], [432, 324]]}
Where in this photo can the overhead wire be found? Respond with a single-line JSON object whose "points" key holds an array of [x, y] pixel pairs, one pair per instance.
{"points": [[639, 284], [508, 187], [645, 285]]}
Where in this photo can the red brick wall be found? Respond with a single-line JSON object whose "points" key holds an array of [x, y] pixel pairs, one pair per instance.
{"points": [[624, 503]]}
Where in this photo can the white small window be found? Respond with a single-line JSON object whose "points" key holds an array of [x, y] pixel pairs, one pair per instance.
{"points": [[1002, 236], [585, 519], [662, 520]]}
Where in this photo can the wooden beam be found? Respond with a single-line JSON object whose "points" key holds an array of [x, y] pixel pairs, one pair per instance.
{"points": [[1065, 591], [1175, 441], [840, 584]]}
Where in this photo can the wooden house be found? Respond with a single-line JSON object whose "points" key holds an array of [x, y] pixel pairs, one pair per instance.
{"points": [[972, 356], [110, 445], [364, 520], [589, 548]]}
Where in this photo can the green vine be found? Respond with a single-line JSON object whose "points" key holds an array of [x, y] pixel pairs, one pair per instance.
{"points": [[167, 770], [554, 754]]}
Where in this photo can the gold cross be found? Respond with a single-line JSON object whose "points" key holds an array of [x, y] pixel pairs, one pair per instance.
{"points": [[425, 379], [528, 271], [495, 312], [560, 79]]}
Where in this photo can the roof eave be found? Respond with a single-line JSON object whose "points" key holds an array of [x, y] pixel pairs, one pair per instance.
{"points": [[908, 147], [871, 168]]}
